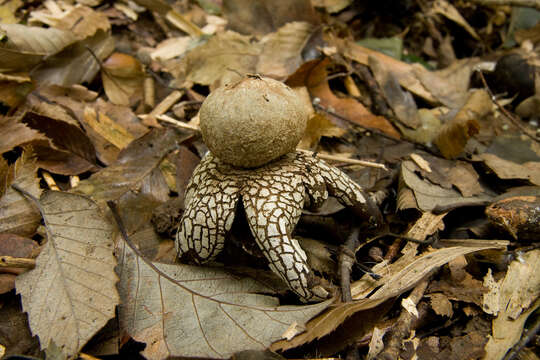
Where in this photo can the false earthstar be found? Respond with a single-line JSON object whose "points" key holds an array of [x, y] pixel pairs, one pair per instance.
{"points": [[252, 128]]}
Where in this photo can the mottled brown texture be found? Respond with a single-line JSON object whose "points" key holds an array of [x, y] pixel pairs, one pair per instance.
{"points": [[273, 197], [252, 122], [519, 215]]}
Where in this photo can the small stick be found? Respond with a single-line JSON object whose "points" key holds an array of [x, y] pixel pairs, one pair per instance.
{"points": [[345, 160], [346, 260], [402, 328], [74, 181], [16, 262], [513, 120], [50, 181], [178, 123]]}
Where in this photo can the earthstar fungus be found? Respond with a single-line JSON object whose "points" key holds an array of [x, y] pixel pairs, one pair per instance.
{"points": [[255, 162]]}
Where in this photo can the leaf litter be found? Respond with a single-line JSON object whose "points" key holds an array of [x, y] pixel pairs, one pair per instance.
{"points": [[439, 113]]}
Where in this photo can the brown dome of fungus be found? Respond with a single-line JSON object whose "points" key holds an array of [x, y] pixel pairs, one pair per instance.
{"points": [[252, 122]]}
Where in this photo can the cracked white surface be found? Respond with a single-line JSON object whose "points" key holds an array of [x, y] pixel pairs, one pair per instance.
{"points": [[273, 197]]}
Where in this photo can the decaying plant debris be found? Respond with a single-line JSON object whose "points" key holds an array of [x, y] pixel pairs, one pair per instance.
{"points": [[99, 135]]}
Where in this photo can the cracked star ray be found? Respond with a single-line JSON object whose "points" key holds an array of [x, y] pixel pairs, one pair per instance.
{"points": [[273, 196]]}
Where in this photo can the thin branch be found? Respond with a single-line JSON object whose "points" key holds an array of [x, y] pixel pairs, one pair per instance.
{"points": [[516, 122], [16, 262], [346, 260], [404, 324]]}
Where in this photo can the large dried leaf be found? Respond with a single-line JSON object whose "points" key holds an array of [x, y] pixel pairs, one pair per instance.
{"points": [[513, 299], [57, 124], [281, 51], [262, 17], [228, 56], [402, 71], [76, 65], [17, 214], [506, 169], [71, 293], [195, 311], [430, 196], [80, 20], [27, 45], [14, 133], [223, 58], [399, 100], [314, 76], [134, 163]]}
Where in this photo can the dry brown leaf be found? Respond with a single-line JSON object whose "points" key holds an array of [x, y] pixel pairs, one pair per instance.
{"points": [[17, 214], [313, 75], [80, 20], [506, 169], [71, 293], [110, 130], [14, 133], [319, 255], [76, 65], [441, 305], [14, 330], [515, 297], [454, 135], [122, 78], [195, 311], [227, 56], [265, 16], [27, 45], [399, 100], [165, 10], [318, 125], [134, 163], [281, 50], [449, 85], [17, 247], [402, 71], [430, 196], [223, 59], [448, 10], [64, 133]]}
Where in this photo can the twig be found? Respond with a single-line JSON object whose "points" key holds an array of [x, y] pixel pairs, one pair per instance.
{"points": [[402, 328], [345, 160], [525, 339], [505, 112], [346, 260], [16, 262], [178, 123], [535, 4]]}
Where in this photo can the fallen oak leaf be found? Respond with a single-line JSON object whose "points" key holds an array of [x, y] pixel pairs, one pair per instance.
{"points": [[196, 311], [71, 294]]}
